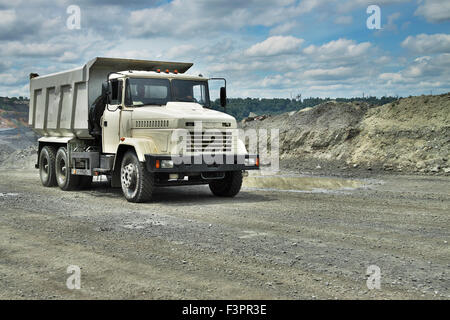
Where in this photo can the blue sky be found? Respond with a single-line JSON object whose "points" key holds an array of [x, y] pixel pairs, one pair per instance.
{"points": [[264, 48]]}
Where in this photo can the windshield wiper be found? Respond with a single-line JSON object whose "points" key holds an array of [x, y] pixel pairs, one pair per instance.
{"points": [[184, 100], [148, 104]]}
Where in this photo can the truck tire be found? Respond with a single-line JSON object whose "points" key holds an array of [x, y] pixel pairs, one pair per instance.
{"points": [[228, 186], [137, 183], [65, 179], [47, 166]]}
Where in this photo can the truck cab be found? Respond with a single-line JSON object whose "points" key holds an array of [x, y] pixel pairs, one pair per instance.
{"points": [[146, 125]]}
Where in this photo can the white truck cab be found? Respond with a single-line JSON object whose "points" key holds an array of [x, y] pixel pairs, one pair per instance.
{"points": [[143, 123]]}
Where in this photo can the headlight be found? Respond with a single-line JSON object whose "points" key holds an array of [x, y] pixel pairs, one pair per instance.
{"points": [[166, 164]]}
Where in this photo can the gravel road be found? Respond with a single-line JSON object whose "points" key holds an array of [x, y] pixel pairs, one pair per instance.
{"points": [[263, 244]]}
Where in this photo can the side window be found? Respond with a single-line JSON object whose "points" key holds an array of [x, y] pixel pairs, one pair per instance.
{"points": [[116, 91], [199, 93]]}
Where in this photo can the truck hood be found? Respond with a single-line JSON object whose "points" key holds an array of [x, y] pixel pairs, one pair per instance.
{"points": [[178, 113]]}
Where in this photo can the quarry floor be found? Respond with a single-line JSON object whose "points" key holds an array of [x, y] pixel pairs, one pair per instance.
{"points": [[273, 241]]}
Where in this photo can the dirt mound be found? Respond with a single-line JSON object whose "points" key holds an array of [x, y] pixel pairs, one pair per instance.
{"points": [[411, 134], [18, 159], [18, 142]]}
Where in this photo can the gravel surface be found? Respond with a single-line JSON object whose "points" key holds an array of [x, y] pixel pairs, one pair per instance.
{"points": [[263, 244]]}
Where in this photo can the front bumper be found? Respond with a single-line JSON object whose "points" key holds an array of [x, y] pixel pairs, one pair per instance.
{"points": [[201, 163]]}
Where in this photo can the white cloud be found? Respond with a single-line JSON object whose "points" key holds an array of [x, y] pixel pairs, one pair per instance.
{"points": [[16, 48], [181, 51], [202, 17], [7, 18], [284, 28], [307, 6], [391, 77], [426, 69], [276, 45], [349, 5], [427, 44], [68, 56], [273, 81], [383, 60], [8, 78], [341, 49], [327, 74], [13, 77], [182, 17], [434, 10]]}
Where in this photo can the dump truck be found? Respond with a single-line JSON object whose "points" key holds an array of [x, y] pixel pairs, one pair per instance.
{"points": [[142, 124]]}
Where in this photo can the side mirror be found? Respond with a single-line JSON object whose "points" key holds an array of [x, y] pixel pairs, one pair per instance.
{"points": [[223, 97], [106, 92], [114, 93], [104, 88]]}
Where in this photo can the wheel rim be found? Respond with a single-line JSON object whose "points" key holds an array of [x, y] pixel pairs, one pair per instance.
{"points": [[44, 168], [61, 168], [129, 178]]}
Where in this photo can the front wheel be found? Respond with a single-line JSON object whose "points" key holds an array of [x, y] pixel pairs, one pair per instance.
{"points": [[228, 186], [137, 183]]}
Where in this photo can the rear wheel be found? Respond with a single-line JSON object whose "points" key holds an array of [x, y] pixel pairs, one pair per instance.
{"points": [[47, 166], [65, 179], [228, 186], [137, 183]]}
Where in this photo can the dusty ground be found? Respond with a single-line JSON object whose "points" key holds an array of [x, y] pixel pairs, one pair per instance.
{"points": [[191, 245]]}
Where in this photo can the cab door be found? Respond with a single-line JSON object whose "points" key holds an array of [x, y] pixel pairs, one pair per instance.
{"points": [[111, 117]]}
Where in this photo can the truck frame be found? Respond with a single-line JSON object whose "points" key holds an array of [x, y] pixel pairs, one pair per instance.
{"points": [[143, 124]]}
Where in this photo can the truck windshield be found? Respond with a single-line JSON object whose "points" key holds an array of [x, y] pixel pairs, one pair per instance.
{"points": [[142, 91], [190, 91], [147, 91]]}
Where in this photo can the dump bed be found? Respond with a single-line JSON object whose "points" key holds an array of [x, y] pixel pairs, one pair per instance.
{"points": [[59, 102]]}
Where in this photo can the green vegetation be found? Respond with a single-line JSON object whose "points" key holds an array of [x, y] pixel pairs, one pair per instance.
{"points": [[240, 108], [14, 104]]}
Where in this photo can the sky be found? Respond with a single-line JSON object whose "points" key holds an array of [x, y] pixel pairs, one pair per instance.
{"points": [[265, 49]]}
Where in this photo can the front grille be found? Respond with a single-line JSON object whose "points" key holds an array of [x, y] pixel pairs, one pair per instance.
{"points": [[210, 142], [152, 124]]}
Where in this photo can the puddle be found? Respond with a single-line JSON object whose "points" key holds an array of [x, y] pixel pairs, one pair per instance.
{"points": [[300, 184]]}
